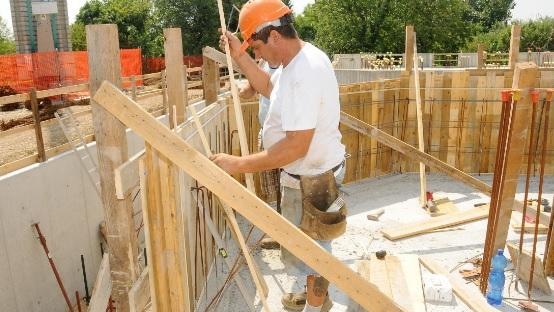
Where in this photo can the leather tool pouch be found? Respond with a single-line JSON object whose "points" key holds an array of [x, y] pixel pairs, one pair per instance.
{"points": [[318, 193]]}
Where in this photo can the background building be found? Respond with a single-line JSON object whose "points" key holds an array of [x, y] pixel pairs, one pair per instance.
{"points": [[40, 25]]}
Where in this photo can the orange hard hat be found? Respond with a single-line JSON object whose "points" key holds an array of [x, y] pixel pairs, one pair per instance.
{"points": [[257, 14]]}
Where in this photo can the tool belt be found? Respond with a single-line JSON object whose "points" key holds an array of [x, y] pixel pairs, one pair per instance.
{"points": [[318, 193]]}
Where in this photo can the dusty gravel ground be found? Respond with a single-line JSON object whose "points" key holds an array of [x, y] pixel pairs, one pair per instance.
{"points": [[23, 144]]}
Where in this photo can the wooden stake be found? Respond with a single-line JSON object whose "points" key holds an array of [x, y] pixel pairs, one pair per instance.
{"points": [[421, 145], [256, 275], [514, 45], [409, 48], [243, 201], [480, 56], [111, 141], [236, 101], [173, 46], [38, 128]]}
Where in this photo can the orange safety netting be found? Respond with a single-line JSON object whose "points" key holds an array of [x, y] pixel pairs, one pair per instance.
{"points": [[47, 70], [157, 64]]}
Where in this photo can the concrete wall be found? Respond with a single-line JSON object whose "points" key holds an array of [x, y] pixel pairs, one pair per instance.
{"points": [[59, 196]]}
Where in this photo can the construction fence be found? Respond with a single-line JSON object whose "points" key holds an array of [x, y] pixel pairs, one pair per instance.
{"points": [[47, 70]]}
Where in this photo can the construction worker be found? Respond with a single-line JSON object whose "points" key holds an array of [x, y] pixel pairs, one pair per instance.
{"points": [[300, 133]]}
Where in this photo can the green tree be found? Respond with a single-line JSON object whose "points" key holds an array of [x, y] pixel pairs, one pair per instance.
{"points": [[7, 44], [488, 13], [198, 20], [351, 26], [537, 35], [78, 36], [134, 18]]}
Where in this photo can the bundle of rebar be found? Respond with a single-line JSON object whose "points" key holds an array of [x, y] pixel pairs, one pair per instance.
{"points": [[509, 102]]}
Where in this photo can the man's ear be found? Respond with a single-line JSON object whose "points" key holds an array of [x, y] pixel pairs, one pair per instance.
{"points": [[274, 36]]}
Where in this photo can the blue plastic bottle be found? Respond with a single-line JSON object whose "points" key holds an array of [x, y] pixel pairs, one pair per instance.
{"points": [[497, 279]]}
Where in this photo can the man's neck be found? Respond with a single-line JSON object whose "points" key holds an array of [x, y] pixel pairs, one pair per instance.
{"points": [[291, 49]]}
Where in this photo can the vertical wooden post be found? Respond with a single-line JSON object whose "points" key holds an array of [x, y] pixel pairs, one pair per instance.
{"points": [[38, 128], [134, 87], [210, 79], [480, 56], [111, 141], [420, 140], [525, 77], [514, 45], [173, 46], [409, 49]]}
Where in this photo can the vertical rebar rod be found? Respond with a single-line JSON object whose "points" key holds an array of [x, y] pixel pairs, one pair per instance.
{"points": [[541, 182], [53, 266], [87, 296]]}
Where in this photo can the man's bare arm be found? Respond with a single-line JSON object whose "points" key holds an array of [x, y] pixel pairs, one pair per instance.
{"points": [[294, 146]]}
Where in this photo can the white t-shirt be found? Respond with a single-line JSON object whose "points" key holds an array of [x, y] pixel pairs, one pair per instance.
{"points": [[306, 96]]}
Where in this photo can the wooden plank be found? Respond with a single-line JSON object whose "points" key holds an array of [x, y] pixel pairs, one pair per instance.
{"points": [[528, 227], [102, 287], [210, 80], [139, 295], [479, 125], [176, 93], [469, 295], [420, 141], [524, 78], [407, 230], [236, 101], [397, 276], [63, 90], [154, 230], [409, 48], [240, 199], [495, 119], [471, 125], [364, 142], [127, 176], [454, 125], [111, 142], [218, 57], [387, 124], [14, 98], [413, 152], [38, 129], [405, 278], [524, 268], [515, 41], [444, 127], [376, 105], [460, 94]]}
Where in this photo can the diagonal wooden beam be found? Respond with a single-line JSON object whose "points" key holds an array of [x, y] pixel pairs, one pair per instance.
{"points": [[413, 153], [218, 57], [243, 201]]}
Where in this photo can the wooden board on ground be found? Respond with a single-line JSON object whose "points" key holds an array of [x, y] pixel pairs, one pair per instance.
{"points": [[399, 277], [529, 227], [444, 206], [539, 277], [468, 294], [460, 217]]}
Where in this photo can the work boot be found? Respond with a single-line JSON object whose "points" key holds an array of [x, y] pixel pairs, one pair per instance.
{"points": [[297, 301], [269, 243]]}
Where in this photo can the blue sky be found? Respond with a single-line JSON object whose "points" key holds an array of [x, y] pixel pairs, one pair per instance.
{"points": [[525, 9]]}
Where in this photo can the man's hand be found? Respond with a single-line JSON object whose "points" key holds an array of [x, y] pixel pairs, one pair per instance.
{"points": [[231, 164], [234, 44]]}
